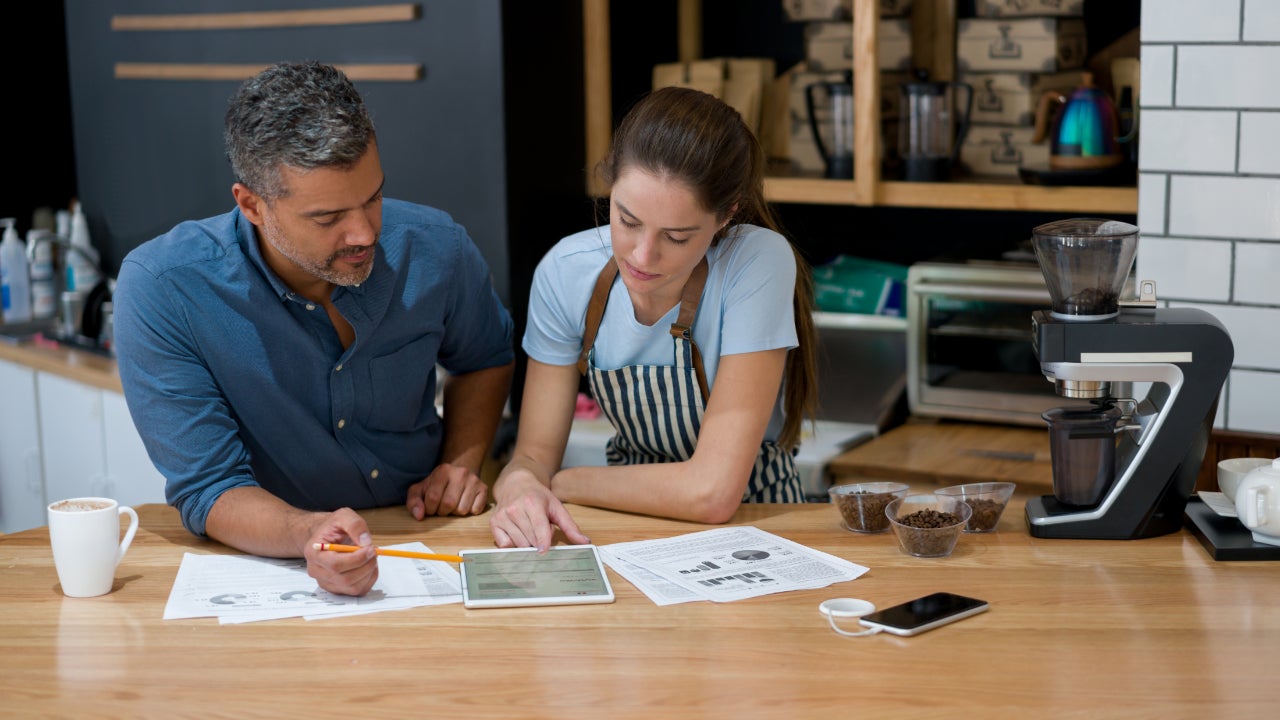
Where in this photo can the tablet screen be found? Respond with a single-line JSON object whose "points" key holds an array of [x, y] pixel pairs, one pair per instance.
{"points": [[565, 574]]}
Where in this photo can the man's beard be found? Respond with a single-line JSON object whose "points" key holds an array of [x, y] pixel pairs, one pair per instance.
{"points": [[323, 269]]}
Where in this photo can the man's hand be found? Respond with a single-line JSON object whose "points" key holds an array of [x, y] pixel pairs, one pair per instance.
{"points": [[343, 573], [448, 490]]}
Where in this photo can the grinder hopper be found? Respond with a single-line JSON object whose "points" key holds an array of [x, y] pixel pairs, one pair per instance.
{"points": [[1085, 262]]}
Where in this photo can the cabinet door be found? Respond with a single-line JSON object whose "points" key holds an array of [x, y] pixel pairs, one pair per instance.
{"points": [[71, 437], [21, 482], [131, 477]]}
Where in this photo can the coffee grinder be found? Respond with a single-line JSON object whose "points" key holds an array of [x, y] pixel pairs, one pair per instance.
{"points": [[1123, 467]]}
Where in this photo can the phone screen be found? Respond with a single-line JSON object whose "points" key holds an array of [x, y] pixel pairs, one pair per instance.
{"points": [[924, 613]]}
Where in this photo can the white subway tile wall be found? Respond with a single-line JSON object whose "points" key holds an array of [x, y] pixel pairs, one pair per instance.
{"points": [[1209, 183], [1261, 21], [1251, 395], [1156, 75], [1153, 188], [1226, 76], [1224, 206], [1190, 20], [1185, 268], [1259, 151], [1189, 140], [1257, 276]]}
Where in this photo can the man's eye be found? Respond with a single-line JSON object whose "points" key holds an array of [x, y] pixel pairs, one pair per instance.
{"points": [[326, 221]]}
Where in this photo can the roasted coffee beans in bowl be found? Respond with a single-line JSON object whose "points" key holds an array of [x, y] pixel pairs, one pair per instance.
{"points": [[986, 499], [862, 505], [928, 525]]}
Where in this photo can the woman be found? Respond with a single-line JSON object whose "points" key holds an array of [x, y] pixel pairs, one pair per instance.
{"points": [[684, 315]]}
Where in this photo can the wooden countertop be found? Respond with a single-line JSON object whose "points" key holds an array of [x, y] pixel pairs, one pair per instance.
{"points": [[95, 370], [942, 452], [1136, 628]]}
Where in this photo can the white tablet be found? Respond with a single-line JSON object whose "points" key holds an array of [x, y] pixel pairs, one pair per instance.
{"points": [[563, 575]]}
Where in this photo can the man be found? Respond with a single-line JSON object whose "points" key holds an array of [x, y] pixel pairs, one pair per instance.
{"points": [[279, 360]]}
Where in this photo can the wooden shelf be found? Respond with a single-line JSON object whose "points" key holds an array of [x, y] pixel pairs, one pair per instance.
{"points": [[933, 23], [987, 195], [811, 190], [1008, 196]]}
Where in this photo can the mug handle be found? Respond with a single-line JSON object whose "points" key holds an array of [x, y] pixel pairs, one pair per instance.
{"points": [[1252, 507], [128, 535]]}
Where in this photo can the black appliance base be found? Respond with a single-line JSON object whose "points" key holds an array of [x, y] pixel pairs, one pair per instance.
{"points": [[1224, 537]]}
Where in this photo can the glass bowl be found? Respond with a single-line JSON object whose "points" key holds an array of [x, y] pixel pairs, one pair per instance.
{"points": [[862, 505], [987, 500], [928, 525]]}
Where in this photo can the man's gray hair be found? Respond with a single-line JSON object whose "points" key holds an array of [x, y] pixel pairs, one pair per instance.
{"points": [[301, 114]]}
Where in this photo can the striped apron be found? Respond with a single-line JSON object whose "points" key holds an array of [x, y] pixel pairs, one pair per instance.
{"points": [[656, 410]]}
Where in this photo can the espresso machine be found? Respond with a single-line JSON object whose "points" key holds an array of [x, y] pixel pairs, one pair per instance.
{"points": [[1123, 467]]}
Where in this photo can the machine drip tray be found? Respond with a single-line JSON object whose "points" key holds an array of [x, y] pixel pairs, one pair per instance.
{"points": [[1224, 537]]}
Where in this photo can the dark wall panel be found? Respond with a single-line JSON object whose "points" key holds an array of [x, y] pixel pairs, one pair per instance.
{"points": [[149, 152]]}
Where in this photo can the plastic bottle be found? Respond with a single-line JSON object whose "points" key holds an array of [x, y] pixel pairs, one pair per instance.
{"points": [[82, 259], [15, 279], [44, 281]]}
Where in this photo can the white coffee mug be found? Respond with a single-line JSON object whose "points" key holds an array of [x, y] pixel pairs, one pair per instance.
{"points": [[1232, 470], [1258, 503], [85, 534]]}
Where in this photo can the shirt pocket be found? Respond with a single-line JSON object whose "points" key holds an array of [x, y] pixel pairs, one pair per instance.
{"points": [[404, 387]]}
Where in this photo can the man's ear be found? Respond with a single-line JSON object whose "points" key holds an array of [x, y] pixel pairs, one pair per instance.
{"points": [[249, 202]]}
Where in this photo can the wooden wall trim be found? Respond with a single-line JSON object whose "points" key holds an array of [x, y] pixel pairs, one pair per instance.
{"points": [[394, 72], [402, 12], [1225, 444]]}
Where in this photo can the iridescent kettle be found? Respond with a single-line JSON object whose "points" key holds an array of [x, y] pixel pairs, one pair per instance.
{"points": [[1085, 132]]}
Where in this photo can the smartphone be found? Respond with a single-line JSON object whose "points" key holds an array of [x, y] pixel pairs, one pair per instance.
{"points": [[924, 613]]}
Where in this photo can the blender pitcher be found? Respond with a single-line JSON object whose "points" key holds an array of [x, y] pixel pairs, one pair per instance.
{"points": [[935, 120], [832, 126]]}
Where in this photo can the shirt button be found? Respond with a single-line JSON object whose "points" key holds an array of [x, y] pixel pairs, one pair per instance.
{"points": [[342, 424], [374, 474], [339, 368], [311, 306]]}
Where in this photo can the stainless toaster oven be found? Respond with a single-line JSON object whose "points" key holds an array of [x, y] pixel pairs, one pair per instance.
{"points": [[969, 352]]}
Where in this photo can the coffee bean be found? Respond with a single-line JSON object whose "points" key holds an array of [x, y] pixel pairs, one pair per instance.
{"points": [[986, 513], [864, 511]]}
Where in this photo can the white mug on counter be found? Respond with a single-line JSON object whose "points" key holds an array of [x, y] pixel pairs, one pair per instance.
{"points": [[1258, 503], [1232, 470], [85, 534]]}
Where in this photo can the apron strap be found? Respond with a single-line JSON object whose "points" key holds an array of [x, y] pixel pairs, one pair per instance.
{"points": [[595, 310], [682, 327]]}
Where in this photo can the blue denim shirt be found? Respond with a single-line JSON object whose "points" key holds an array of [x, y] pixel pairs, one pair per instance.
{"points": [[233, 380]]}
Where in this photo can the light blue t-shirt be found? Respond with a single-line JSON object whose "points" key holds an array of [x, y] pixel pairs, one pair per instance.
{"points": [[234, 380], [746, 306]]}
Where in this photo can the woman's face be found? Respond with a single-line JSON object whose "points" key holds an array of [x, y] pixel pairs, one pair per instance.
{"points": [[660, 233]]}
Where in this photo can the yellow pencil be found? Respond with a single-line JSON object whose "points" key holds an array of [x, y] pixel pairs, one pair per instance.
{"points": [[388, 551]]}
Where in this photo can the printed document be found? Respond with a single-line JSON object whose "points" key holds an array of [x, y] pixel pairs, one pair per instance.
{"points": [[724, 564], [247, 588]]}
